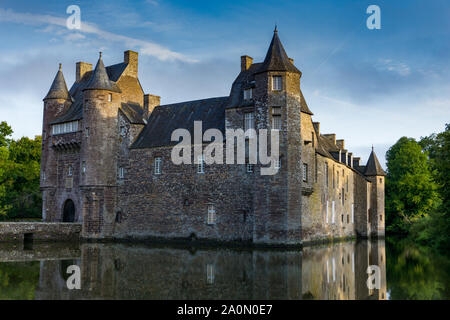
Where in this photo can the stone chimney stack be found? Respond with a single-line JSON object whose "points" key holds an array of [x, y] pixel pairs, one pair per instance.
{"points": [[131, 58], [150, 102], [246, 62], [331, 137], [82, 68], [317, 127], [341, 144]]}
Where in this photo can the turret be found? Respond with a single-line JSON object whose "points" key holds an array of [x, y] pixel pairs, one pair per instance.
{"points": [[278, 102], [375, 174], [56, 103], [101, 102]]}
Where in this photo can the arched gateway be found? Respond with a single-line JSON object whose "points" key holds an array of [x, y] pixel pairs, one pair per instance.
{"points": [[69, 211]]}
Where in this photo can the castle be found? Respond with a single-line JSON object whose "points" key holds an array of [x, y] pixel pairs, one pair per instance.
{"points": [[106, 162]]}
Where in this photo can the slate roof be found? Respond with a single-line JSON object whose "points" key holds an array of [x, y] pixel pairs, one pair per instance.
{"points": [[133, 112], [276, 58], [100, 79], [58, 89], [166, 118], [373, 167], [75, 111]]}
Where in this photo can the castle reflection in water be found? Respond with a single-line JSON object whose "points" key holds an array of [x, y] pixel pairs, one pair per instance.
{"points": [[123, 271]]}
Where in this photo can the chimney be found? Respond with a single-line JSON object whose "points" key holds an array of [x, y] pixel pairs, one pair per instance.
{"points": [[331, 137], [82, 68], [317, 127], [131, 58], [246, 62], [291, 60], [356, 162], [340, 143], [150, 102]]}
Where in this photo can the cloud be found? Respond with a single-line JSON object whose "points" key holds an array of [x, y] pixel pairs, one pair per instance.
{"points": [[399, 68], [145, 47]]}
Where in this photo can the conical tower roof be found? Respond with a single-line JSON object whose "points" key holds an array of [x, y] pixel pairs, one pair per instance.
{"points": [[373, 167], [100, 80], [58, 90], [276, 58]]}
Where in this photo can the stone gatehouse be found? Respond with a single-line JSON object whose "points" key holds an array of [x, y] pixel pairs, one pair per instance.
{"points": [[106, 162]]}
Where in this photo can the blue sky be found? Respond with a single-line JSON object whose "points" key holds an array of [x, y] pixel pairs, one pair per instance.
{"points": [[367, 86]]}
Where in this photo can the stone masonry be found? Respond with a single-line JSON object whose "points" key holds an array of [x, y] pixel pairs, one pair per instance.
{"points": [[106, 162]]}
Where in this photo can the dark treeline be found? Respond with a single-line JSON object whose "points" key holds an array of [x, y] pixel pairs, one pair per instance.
{"points": [[417, 189], [20, 159]]}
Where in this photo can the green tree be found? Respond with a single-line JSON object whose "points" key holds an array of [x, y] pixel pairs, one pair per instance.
{"points": [[19, 175], [411, 192], [435, 229]]}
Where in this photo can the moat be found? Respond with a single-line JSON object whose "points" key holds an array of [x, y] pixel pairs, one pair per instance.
{"points": [[138, 271]]}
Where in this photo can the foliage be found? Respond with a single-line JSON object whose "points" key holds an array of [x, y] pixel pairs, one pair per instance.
{"points": [[418, 189], [411, 192], [19, 175]]}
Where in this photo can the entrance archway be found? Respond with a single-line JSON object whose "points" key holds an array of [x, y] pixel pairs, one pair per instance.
{"points": [[69, 211]]}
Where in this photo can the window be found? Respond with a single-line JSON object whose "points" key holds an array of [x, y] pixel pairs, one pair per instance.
{"points": [[381, 180], [305, 172], [326, 174], [249, 167], [327, 211], [343, 197], [276, 118], [277, 83], [249, 121], [123, 131], [381, 217], [157, 163], [278, 163], [83, 167], [353, 213], [109, 97], [332, 212], [211, 214], [121, 173], [201, 164], [248, 94], [69, 171], [333, 178], [87, 132], [210, 274], [348, 219], [346, 183], [43, 175], [119, 217], [65, 127]]}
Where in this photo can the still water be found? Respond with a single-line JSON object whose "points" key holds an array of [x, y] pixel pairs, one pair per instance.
{"points": [[124, 271]]}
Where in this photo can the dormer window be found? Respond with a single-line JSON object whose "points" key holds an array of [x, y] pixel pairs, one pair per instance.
{"points": [[248, 94], [277, 84]]}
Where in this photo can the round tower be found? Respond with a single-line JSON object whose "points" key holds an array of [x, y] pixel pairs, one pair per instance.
{"points": [[56, 103], [101, 102], [376, 175]]}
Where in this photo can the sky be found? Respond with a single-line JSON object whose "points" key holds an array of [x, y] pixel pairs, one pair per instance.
{"points": [[370, 87]]}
